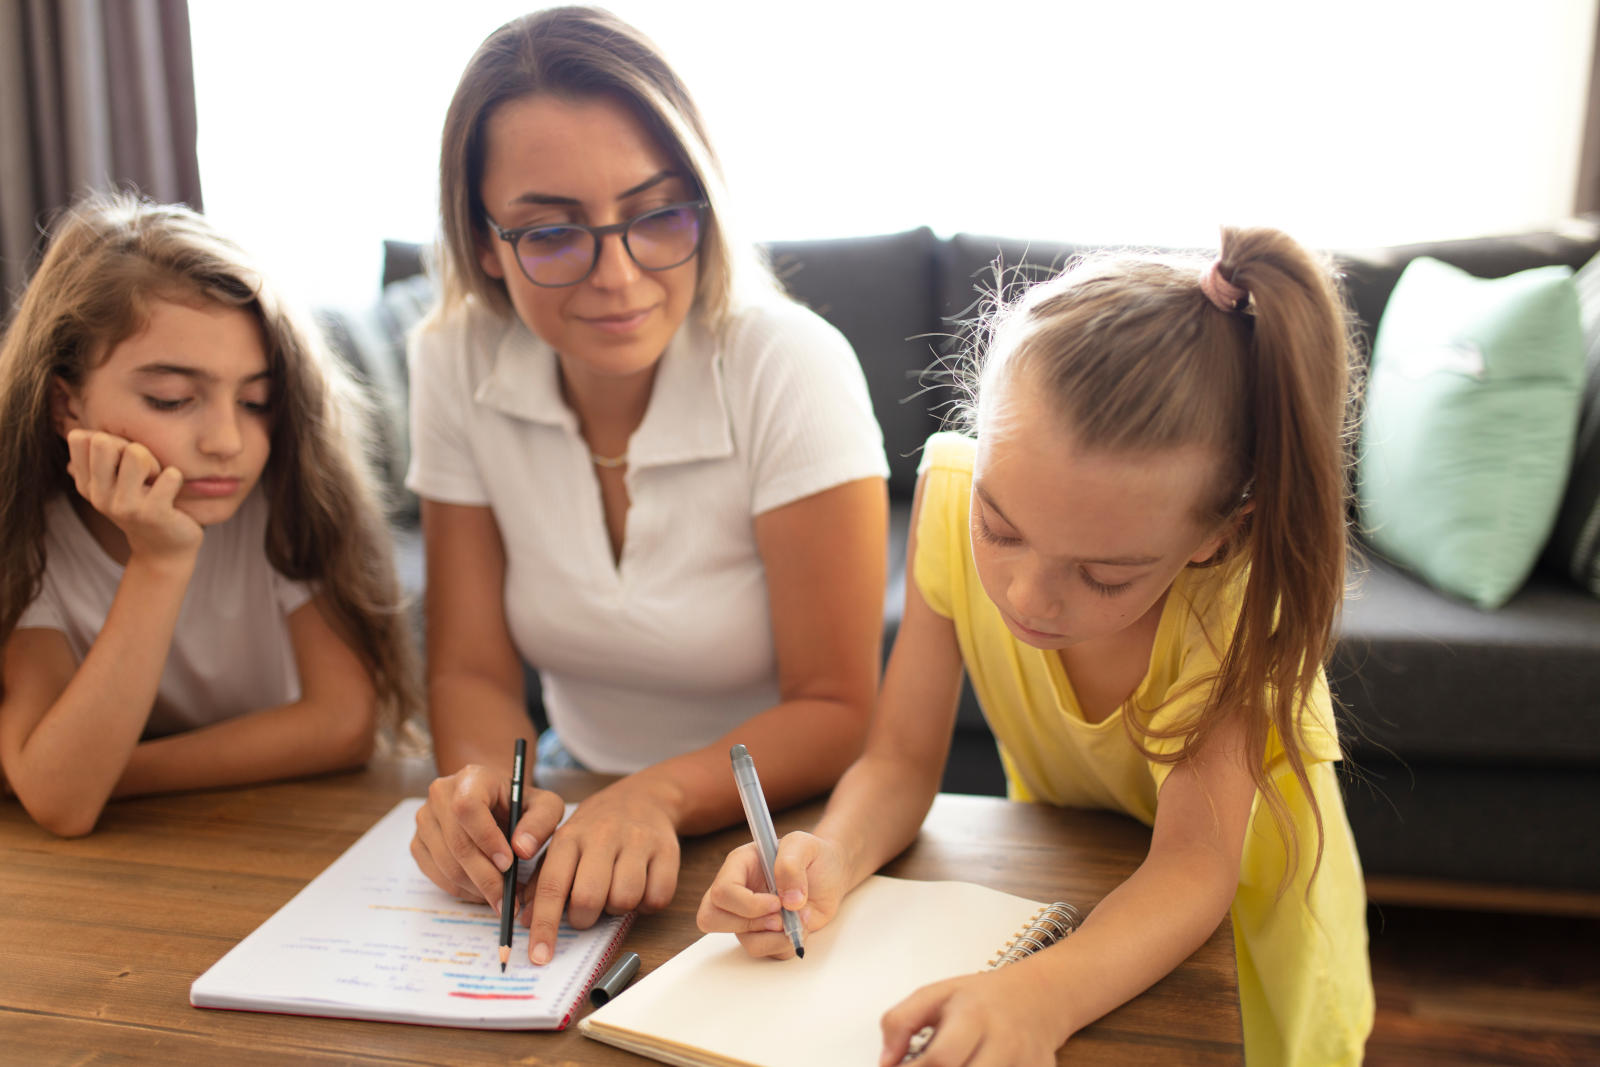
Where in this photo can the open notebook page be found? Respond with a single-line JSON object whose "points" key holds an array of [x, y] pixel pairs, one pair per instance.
{"points": [[372, 938], [714, 1004]]}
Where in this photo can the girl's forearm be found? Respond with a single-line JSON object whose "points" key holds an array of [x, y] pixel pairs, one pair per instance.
{"points": [[878, 806], [290, 741], [877, 809], [68, 765], [1137, 935]]}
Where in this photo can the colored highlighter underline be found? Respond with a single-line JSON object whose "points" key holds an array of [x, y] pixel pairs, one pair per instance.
{"points": [[494, 996]]}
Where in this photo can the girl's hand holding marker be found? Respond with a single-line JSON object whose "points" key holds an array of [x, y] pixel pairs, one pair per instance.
{"points": [[810, 882]]}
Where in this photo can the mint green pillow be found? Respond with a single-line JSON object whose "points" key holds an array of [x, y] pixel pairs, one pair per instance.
{"points": [[1471, 411]]}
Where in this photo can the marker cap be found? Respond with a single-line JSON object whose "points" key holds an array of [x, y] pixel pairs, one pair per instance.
{"points": [[616, 979]]}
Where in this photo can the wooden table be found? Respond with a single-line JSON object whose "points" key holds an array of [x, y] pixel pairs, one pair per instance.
{"points": [[100, 937]]}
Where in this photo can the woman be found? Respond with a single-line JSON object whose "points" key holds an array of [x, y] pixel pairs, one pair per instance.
{"points": [[643, 471]]}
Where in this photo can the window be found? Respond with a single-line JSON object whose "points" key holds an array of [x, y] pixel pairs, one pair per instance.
{"points": [[1364, 122]]}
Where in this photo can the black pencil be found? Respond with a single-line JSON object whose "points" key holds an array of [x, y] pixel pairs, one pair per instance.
{"points": [[508, 897]]}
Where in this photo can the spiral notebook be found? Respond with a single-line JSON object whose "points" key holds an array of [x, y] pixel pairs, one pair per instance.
{"points": [[372, 938], [712, 1004]]}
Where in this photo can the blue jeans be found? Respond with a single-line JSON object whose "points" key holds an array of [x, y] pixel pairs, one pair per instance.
{"points": [[551, 755]]}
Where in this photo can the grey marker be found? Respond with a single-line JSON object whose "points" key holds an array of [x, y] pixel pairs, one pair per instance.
{"points": [[761, 828], [616, 979]]}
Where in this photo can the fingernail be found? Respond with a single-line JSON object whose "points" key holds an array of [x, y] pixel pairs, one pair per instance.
{"points": [[524, 842], [774, 923], [495, 904], [501, 861], [540, 954], [793, 898]]}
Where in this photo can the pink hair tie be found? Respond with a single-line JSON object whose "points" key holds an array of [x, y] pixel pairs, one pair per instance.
{"points": [[1219, 290]]}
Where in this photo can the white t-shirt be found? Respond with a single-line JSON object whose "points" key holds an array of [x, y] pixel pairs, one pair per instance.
{"points": [[672, 647], [230, 651]]}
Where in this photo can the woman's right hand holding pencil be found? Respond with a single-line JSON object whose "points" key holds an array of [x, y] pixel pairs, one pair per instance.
{"points": [[460, 843], [812, 874]]}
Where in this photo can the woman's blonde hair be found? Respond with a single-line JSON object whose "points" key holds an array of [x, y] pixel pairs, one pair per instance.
{"points": [[578, 53], [1137, 357], [109, 257]]}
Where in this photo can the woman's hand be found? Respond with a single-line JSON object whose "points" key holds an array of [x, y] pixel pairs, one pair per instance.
{"points": [[618, 853], [460, 843], [812, 880], [993, 1019], [127, 484]]}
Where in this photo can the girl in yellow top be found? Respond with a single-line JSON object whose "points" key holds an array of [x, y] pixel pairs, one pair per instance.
{"points": [[1137, 560]]}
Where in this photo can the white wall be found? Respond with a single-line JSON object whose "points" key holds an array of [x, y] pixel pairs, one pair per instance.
{"points": [[1365, 121]]}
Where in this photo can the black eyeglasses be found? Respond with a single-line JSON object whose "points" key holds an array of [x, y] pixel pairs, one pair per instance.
{"points": [[566, 253]]}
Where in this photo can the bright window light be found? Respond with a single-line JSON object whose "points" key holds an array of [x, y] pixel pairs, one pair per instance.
{"points": [[1363, 122]]}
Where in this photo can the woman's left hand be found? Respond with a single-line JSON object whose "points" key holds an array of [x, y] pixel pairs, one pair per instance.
{"points": [[617, 853], [980, 1020]]}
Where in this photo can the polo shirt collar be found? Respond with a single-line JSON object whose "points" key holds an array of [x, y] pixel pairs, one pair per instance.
{"points": [[687, 419], [525, 380]]}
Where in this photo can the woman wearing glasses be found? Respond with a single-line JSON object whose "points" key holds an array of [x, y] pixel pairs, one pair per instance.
{"points": [[643, 471]]}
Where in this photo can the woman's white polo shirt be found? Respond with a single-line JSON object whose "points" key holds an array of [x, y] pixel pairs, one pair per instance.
{"points": [[669, 648]]}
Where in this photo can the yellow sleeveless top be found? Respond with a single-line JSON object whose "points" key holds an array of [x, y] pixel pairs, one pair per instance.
{"points": [[1305, 986]]}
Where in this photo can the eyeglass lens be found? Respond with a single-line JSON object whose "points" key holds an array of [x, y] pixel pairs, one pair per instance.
{"points": [[657, 240]]}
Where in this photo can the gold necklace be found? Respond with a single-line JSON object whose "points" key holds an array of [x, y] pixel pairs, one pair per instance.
{"points": [[609, 462]]}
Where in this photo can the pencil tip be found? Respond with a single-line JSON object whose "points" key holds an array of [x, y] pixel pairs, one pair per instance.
{"points": [[502, 966]]}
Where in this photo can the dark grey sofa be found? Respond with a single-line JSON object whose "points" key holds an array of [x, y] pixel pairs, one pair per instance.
{"points": [[1474, 737]]}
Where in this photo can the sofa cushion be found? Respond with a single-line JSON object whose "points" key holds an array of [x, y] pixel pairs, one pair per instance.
{"points": [[1471, 410], [1369, 274], [401, 259], [1575, 543], [1520, 826], [372, 342], [1426, 678], [890, 330], [975, 270]]}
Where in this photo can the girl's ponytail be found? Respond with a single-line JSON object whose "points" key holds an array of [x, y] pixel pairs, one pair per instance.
{"points": [[1298, 364]]}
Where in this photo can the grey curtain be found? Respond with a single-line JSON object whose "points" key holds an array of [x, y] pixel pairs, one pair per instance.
{"points": [[1588, 198], [94, 94]]}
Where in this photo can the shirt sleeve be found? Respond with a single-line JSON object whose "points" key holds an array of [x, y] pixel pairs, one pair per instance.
{"points": [[811, 425], [1186, 700], [290, 595], [443, 467], [1211, 608], [44, 613], [945, 476]]}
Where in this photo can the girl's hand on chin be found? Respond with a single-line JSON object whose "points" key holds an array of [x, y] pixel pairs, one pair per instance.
{"points": [[127, 484]]}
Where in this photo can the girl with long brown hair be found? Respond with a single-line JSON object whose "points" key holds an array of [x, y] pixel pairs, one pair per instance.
{"points": [[196, 584], [1137, 560]]}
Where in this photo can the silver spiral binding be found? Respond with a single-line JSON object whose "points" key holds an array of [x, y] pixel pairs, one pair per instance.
{"points": [[1050, 925]]}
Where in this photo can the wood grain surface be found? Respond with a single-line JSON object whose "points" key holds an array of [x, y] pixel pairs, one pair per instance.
{"points": [[101, 937]]}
